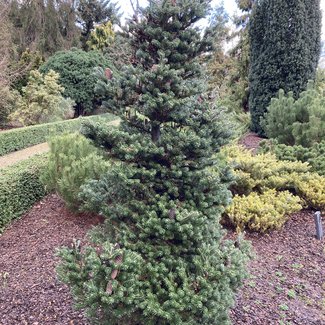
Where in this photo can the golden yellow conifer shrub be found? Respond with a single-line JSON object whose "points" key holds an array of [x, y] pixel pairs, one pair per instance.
{"points": [[267, 190]]}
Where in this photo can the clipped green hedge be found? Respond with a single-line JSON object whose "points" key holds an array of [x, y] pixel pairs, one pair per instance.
{"points": [[20, 188], [17, 139]]}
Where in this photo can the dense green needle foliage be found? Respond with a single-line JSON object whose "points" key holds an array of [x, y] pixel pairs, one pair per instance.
{"points": [[161, 257], [91, 12], [285, 47], [76, 69], [297, 122], [72, 161], [45, 26], [314, 155]]}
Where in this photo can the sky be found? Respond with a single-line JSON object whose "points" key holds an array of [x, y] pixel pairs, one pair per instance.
{"points": [[230, 6]]}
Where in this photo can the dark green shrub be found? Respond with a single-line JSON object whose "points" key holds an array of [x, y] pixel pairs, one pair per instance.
{"points": [[297, 122], [17, 139], [72, 161], [20, 188], [315, 155], [76, 69], [285, 39]]}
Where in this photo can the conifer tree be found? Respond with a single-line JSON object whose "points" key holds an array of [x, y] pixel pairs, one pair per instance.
{"points": [[161, 257], [44, 26], [76, 70], [218, 62], [101, 37], [42, 100], [120, 52], [238, 85], [229, 71], [70, 31], [6, 46], [285, 47], [91, 12], [297, 122]]}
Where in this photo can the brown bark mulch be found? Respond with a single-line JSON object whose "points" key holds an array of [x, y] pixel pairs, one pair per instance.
{"points": [[30, 293], [250, 140], [287, 276], [287, 282], [286, 286]]}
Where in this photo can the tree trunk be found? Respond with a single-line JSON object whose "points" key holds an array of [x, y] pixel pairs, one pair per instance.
{"points": [[155, 133]]}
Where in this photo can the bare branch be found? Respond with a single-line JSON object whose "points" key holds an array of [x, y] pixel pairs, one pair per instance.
{"points": [[135, 7]]}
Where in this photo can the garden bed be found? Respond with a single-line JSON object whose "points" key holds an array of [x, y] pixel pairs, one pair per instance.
{"points": [[287, 282], [30, 291], [250, 141]]}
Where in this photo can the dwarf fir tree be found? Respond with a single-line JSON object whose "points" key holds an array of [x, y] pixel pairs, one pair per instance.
{"points": [[285, 47], [161, 257]]}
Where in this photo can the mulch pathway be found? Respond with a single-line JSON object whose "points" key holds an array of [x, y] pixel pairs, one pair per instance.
{"points": [[286, 285]]}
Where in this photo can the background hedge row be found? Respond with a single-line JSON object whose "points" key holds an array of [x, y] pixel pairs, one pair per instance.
{"points": [[20, 188], [17, 139]]}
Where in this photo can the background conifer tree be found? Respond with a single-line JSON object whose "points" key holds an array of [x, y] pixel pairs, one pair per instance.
{"points": [[285, 47], [43, 26], [91, 12], [101, 37], [76, 70], [6, 45], [238, 82], [229, 69], [161, 257]]}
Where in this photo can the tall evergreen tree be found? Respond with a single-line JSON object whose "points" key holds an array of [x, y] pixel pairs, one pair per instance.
{"points": [[28, 17], [5, 46], [91, 12], [238, 81], [67, 15], [218, 62], [161, 257], [52, 39], [44, 26], [6, 49], [229, 70], [120, 52], [285, 47]]}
